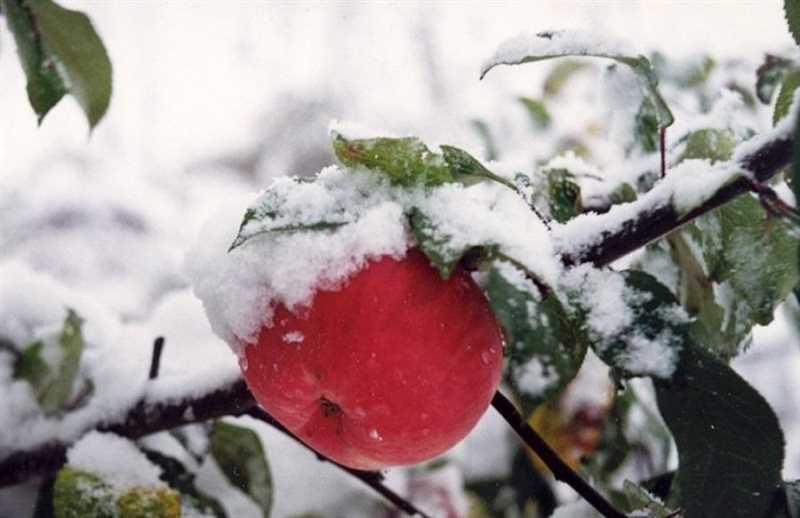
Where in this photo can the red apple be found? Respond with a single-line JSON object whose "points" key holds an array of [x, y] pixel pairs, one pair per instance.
{"points": [[393, 367]]}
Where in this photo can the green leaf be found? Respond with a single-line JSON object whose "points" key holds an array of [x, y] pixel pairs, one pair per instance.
{"points": [[435, 244], [404, 161], [540, 117], [769, 76], [758, 258], [624, 193], [545, 349], [78, 494], [730, 445], [790, 83], [791, 11], [468, 170], [60, 53], [52, 384], [485, 133], [639, 64], [647, 343], [564, 195], [241, 457], [715, 145], [45, 86], [274, 213], [793, 177], [645, 129], [638, 499], [560, 75]]}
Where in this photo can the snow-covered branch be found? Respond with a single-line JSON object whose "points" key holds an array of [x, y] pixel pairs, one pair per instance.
{"points": [[689, 191]]}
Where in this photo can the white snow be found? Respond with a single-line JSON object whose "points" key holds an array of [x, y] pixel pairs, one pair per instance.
{"points": [[104, 453], [556, 43]]}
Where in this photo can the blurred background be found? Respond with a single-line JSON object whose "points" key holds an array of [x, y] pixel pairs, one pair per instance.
{"points": [[212, 99]]}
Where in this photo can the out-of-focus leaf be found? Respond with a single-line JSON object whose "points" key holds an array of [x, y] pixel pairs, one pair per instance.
{"points": [[544, 348], [730, 445], [241, 457], [404, 161], [788, 86], [486, 136], [564, 195], [560, 75], [639, 64], [60, 53], [791, 11], [540, 117], [469, 170], [624, 193], [713, 144], [52, 384], [769, 76], [645, 129], [149, 502]]}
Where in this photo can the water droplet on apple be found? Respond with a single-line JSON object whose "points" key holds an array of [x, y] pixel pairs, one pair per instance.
{"points": [[485, 357], [275, 367], [375, 435]]}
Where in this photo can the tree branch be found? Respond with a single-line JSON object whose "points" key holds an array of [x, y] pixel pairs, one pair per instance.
{"points": [[657, 221], [559, 468]]}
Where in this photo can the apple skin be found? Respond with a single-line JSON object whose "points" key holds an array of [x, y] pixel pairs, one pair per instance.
{"points": [[393, 367]]}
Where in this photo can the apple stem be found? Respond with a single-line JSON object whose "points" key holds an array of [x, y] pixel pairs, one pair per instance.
{"points": [[155, 359], [373, 479], [551, 459]]}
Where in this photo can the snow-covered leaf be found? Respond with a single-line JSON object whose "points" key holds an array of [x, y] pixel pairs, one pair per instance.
{"points": [[434, 244], [404, 161], [241, 457], [544, 348], [78, 493], [642, 333], [769, 76], [61, 53], [713, 144], [791, 80], [564, 195], [645, 127], [791, 11], [730, 445], [52, 382], [557, 44], [641, 501]]}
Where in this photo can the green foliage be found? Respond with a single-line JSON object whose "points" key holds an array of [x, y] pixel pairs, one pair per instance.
{"points": [[404, 161], [79, 494], [435, 245], [730, 445], [769, 76], [646, 131], [791, 80], [544, 347], [53, 384], [241, 457], [791, 11], [713, 144], [564, 195], [560, 75], [540, 117], [60, 53], [658, 322]]}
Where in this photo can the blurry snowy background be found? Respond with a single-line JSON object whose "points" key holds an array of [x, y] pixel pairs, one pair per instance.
{"points": [[212, 99]]}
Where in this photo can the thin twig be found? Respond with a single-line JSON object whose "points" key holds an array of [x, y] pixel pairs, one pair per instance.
{"points": [[662, 140], [155, 359], [373, 479], [551, 459]]}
